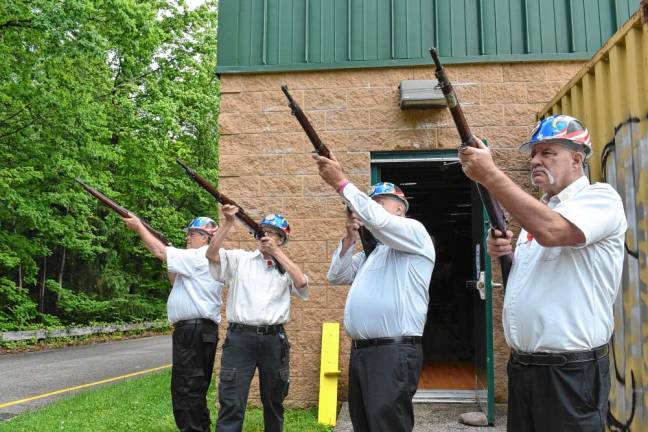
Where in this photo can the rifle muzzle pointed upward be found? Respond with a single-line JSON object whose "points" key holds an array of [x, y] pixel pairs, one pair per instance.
{"points": [[435, 57], [284, 89], [291, 101], [81, 182], [186, 168]]}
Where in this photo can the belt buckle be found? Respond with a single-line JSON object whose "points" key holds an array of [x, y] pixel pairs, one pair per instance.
{"points": [[262, 330]]}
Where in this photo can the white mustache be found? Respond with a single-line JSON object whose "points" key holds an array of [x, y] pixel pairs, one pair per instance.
{"points": [[543, 170]]}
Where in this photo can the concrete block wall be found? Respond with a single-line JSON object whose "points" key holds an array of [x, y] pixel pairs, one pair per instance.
{"points": [[265, 165]]}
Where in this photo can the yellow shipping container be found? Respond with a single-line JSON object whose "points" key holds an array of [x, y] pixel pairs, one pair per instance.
{"points": [[610, 95]]}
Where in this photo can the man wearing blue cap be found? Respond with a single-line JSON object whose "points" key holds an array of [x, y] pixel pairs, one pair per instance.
{"points": [[193, 308], [387, 304], [566, 273], [260, 285]]}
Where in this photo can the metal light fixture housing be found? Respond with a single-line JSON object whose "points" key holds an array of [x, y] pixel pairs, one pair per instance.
{"points": [[421, 94]]}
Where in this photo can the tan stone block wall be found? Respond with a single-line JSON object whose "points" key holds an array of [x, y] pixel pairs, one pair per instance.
{"points": [[265, 165]]}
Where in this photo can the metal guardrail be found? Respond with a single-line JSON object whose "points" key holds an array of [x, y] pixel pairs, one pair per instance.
{"points": [[16, 336]]}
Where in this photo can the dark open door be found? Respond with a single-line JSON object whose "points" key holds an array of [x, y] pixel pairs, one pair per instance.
{"points": [[482, 310]]}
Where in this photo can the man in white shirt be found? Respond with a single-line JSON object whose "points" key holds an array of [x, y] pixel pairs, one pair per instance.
{"points": [[566, 273], [193, 308], [258, 305], [387, 304]]}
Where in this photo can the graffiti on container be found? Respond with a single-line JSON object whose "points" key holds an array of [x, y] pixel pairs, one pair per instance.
{"points": [[622, 167], [613, 423]]}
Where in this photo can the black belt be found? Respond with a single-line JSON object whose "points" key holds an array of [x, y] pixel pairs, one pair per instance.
{"points": [[558, 359], [269, 329], [364, 343], [195, 321]]}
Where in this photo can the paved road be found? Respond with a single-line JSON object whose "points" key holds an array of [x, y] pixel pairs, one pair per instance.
{"points": [[32, 374]]}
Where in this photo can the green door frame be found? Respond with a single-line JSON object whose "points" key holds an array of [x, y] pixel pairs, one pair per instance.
{"points": [[490, 360], [450, 156]]}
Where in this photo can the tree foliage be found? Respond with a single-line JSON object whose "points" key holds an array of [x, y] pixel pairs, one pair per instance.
{"points": [[111, 91]]}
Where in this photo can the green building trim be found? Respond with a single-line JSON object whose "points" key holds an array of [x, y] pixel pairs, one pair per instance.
{"points": [[292, 35]]}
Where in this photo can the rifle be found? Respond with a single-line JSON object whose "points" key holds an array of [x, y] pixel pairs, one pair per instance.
{"points": [[493, 208], [121, 211], [367, 239], [243, 217]]}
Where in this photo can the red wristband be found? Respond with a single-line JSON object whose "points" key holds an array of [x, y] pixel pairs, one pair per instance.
{"points": [[342, 185]]}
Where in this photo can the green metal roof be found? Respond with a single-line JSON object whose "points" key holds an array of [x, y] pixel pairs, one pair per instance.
{"points": [[280, 35]]}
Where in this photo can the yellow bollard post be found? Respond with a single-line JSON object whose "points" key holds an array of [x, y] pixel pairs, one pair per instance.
{"points": [[329, 374]]}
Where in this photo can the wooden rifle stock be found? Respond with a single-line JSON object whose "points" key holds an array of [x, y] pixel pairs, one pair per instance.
{"points": [[366, 238], [121, 211], [243, 217], [493, 208]]}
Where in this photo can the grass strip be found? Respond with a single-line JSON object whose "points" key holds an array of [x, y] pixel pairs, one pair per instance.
{"points": [[142, 404]]}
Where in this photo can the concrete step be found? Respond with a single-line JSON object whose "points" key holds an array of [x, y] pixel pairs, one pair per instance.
{"points": [[436, 417]]}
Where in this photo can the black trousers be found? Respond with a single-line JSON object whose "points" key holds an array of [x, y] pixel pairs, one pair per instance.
{"points": [[194, 349], [382, 382], [569, 398], [243, 352]]}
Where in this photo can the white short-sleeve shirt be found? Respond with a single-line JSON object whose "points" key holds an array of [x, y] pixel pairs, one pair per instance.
{"points": [[195, 294], [561, 298], [258, 294]]}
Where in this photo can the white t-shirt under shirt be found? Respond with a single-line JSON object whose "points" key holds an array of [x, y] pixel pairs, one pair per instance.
{"points": [[258, 294], [561, 298], [195, 294]]}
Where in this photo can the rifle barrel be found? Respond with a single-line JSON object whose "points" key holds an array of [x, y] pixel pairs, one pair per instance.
{"points": [[493, 208], [121, 211], [320, 147], [241, 215], [366, 238]]}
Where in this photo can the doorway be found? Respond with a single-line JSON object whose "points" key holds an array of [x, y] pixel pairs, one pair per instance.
{"points": [[445, 201]]}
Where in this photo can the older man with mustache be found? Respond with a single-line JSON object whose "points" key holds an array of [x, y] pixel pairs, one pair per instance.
{"points": [[566, 273]]}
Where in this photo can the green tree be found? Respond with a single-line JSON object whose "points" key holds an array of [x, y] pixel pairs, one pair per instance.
{"points": [[111, 91]]}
